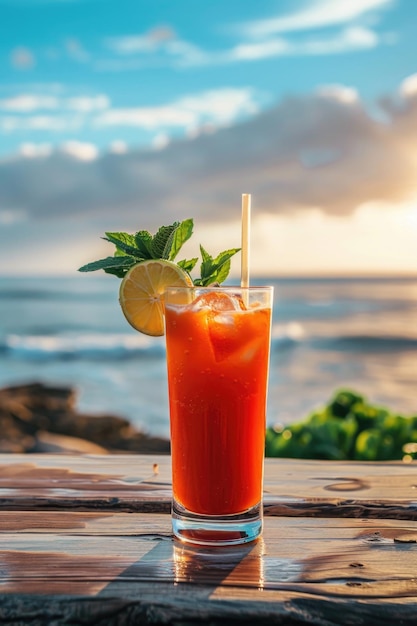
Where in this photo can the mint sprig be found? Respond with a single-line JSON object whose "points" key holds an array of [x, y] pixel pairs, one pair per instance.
{"points": [[214, 270], [165, 244]]}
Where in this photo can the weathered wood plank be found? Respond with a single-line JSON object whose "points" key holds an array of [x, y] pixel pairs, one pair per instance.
{"points": [[143, 484], [123, 567]]}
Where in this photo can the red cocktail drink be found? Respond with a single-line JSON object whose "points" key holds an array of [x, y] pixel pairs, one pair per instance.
{"points": [[218, 355]]}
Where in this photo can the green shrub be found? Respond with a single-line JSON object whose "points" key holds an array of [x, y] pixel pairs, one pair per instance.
{"points": [[349, 427]]}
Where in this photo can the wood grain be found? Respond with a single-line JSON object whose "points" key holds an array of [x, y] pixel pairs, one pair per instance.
{"points": [[87, 540], [143, 484], [76, 567]]}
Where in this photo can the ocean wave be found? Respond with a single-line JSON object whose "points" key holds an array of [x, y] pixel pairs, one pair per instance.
{"points": [[90, 346], [366, 343], [104, 346], [286, 336]]}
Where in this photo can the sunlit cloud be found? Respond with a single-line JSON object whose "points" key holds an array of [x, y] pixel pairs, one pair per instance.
{"points": [[335, 158], [336, 175], [409, 86]]}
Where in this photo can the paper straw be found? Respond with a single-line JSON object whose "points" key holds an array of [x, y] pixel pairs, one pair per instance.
{"points": [[245, 252]]}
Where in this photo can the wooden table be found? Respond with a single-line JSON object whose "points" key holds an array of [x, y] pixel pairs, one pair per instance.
{"points": [[87, 540]]}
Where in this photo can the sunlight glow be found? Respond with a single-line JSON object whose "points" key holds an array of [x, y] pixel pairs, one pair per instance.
{"points": [[376, 239]]}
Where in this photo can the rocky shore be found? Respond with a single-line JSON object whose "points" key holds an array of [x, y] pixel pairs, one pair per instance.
{"points": [[40, 418]]}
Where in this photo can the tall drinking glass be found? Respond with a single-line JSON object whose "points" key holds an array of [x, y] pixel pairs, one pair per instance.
{"points": [[218, 343]]}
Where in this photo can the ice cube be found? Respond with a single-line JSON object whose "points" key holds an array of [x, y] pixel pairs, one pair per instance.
{"points": [[218, 301]]}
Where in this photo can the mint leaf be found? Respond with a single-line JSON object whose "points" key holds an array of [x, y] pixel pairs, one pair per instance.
{"points": [[225, 256], [223, 272], [179, 236], [165, 244], [110, 262], [215, 270], [143, 241], [162, 241], [120, 272], [206, 268], [188, 265], [124, 242]]}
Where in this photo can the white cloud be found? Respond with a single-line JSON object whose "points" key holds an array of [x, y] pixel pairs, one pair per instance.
{"points": [[347, 40], [409, 86], [319, 151], [146, 117], [25, 103], [181, 54], [196, 111], [147, 42], [328, 181], [322, 27], [80, 150], [118, 147], [160, 141], [339, 92], [33, 151], [53, 123], [87, 104], [29, 102], [260, 50], [159, 46], [49, 112], [316, 14], [217, 106]]}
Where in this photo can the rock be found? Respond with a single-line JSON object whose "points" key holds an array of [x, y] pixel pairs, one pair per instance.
{"points": [[36, 417], [62, 444]]}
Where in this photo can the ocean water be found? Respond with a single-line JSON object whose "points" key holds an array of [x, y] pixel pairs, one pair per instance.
{"points": [[327, 334]]}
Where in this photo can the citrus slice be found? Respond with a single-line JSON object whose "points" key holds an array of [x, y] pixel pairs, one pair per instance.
{"points": [[141, 293]]}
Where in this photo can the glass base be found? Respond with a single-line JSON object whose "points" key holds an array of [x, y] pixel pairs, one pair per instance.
{"points": [[216, 530]]}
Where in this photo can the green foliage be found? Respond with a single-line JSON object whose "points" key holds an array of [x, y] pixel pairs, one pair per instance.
{"points": [[162, 241], [179, 236], [347, 428], [125, 244], [214, 270], [117, 265], [143, 241], [165, 244]]}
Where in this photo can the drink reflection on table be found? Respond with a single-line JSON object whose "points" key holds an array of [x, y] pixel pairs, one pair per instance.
{"points": [[240, 565]]}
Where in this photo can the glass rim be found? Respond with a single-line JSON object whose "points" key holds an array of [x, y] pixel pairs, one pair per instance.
{"points": [[234, 288]]}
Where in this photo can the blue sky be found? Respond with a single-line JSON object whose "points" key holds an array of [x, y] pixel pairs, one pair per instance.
{"points": [[131, 113]]}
